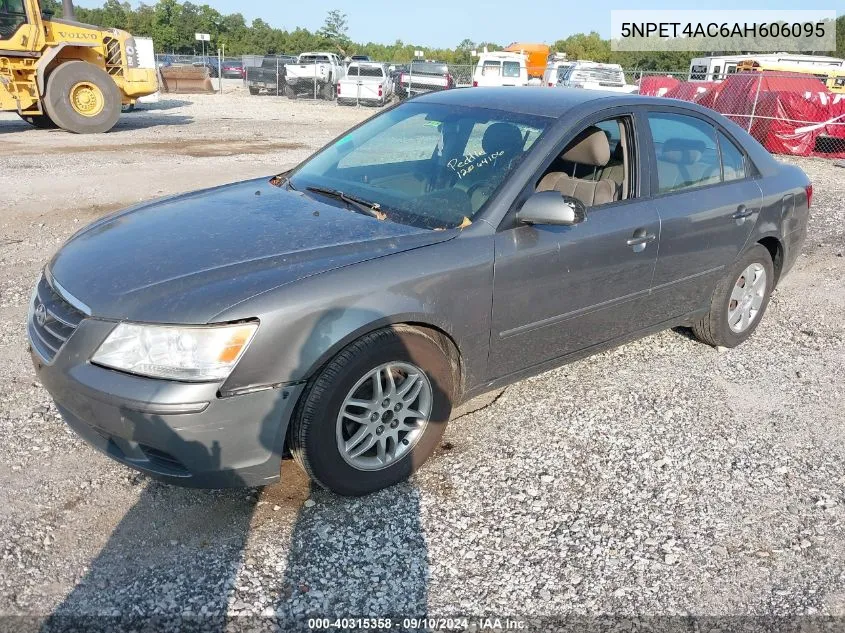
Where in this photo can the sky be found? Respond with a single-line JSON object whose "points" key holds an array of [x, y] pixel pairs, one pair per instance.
{"points": [[444, 23]]}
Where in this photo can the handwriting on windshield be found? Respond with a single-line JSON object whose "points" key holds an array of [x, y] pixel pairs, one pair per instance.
{"points": [[470, 162]]}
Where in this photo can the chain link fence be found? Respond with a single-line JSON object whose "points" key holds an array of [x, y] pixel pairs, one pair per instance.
{"points": [[799, 114]]}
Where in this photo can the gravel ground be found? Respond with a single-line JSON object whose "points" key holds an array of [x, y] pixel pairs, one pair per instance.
{"points": [[663, 478]]}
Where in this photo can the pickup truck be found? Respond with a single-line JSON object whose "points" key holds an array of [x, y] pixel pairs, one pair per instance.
{"points": [[424, 77], [270, 76], [366, 83], [314, 73]]}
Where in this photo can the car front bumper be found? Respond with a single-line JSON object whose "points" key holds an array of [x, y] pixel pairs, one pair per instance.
{"points": [[181, 433]]}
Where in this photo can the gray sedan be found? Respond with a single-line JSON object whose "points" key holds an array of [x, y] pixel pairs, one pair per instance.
{"points": [[454, 244]]}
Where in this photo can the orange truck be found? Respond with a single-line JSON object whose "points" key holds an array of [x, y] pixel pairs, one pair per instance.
{"points": [[537, 54]]}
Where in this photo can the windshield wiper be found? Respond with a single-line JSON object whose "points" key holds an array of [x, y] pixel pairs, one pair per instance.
{"points": [[366, 207]]}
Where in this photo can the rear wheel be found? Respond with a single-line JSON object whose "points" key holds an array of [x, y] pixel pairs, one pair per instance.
{"points": [[290, 93], [40, 121], [328, 91], [739, 301], [376, 412], [82, 98], [254, 90]]}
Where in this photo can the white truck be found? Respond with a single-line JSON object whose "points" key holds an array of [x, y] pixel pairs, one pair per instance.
{"points": [[315, 74], [594, 76], [500, 69], [368, 83]]}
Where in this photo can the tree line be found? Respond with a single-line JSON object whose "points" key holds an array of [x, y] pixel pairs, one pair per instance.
{"points": [[172, 25]]}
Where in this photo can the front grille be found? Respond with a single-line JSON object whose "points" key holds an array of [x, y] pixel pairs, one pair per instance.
{"points": [[51, 321]]}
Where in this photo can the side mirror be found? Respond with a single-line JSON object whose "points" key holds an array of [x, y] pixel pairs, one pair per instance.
{"points": [[552, 207]]}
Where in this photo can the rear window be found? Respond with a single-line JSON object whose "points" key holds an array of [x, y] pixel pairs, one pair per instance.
{"points": [[491, 69], [510, 69], [365, 71], [429, 68], [313, 59]]}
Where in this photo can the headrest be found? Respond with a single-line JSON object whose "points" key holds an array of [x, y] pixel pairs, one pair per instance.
{"points": [[681, 151], [502, 137], [590, 147]]}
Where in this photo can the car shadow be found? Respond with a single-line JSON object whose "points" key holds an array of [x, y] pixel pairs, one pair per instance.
{"points": [[195, 559], [128, 122]]}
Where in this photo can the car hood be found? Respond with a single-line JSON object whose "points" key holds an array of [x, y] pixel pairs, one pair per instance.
{"points": [[186, 258]]}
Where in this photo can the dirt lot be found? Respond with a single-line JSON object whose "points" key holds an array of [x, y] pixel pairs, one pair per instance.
{"points": [[661, 478]]}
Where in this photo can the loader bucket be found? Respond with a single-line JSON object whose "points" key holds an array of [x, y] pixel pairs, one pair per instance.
{"points": [[186, 80]]}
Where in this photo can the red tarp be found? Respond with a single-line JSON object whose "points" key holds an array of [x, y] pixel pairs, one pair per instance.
{"points": [[787, 113]]}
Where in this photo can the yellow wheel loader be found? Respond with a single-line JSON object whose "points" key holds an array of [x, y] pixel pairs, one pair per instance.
{"points": [[61, 73]]}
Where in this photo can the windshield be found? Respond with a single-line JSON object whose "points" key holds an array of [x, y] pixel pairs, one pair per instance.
{"points": [[424, 164]]}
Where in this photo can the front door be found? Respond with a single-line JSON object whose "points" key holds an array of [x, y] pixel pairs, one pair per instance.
{"points": [[561, 289]]}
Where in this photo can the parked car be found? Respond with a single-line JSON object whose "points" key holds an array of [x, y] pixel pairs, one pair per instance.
{"points": [[555, 68], [270, 76], [456, 243], [500, 69], [594, 76], [314, 73], [366, 83], [423, 77], [233, 69], [212, 67]]}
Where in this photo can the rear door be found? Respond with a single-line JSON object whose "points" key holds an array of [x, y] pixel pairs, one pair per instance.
{"points": [[708, 202]]}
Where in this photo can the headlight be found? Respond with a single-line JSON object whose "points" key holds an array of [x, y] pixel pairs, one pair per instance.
{"points": [[194, 354]]}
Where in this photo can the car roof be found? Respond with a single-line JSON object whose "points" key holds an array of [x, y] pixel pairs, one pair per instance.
{"points": [[553, 103]]}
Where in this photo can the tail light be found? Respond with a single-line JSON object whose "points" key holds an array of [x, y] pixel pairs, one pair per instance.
{"points": [[380, 94], [402, 78], [449, 80], [338, 87], [475, 84], [551, 85], [809, 189]]}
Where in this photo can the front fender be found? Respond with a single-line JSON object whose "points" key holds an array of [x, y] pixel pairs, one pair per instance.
{"points": [[447, 286]]}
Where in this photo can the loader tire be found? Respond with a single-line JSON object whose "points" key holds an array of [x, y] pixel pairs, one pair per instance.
{"points": [[40, 121], [82, 98]]}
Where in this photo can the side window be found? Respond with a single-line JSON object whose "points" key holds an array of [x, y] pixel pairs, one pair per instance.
{"points": [[733, 160], [686, 151], [595, 166], [12, 17]]}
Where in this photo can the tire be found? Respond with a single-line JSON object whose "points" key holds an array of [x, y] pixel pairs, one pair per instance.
{"points": [[104, 106], [328, 92], [731, 294], [42, 121], [290, 93], [318, 429], [254, 90]]}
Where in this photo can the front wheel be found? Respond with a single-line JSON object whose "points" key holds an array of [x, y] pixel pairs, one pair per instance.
{"points": [[739, 301], [376, 412], [82, 98]]}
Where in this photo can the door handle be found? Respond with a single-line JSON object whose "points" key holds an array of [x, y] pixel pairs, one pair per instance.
{"points": [[742, 212], [641, 240]]}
